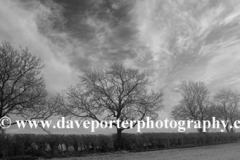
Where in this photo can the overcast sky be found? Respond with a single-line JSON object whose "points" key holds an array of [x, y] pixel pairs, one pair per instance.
{"points": [[175, 39]]}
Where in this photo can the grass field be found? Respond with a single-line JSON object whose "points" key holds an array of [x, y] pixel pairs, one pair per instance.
{"points": [[216, 152]]}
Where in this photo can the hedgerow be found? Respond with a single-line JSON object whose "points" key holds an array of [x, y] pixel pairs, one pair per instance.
{"points": [[27, 146]]}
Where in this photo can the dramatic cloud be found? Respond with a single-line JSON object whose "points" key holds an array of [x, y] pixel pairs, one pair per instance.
{"points": [[175, 39], [195, 40], [26, 23]]}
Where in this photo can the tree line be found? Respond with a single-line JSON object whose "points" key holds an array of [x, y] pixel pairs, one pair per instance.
{"points": [[197, 104], [115, 93]]}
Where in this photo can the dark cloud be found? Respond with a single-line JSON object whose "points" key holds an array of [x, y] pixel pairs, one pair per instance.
{"points": [[175, 40], [101, 29]]}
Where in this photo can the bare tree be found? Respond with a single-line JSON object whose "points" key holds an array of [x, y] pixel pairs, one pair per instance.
{"points": [[227, 107], [22, 88], [117, 93], [195, 104]]}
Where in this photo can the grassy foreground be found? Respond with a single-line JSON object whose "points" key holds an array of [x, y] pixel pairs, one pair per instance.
{"points": [[216, 152]]}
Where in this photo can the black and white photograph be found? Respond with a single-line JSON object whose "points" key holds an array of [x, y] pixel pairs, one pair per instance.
{"points": [[120, 79]]}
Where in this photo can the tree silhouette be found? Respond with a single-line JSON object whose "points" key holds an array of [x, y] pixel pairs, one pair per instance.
{"points": [[195, 104], [227, 107], [22, 88], [116, 93]]}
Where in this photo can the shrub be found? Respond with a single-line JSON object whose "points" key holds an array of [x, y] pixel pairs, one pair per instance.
{"points": [[27, 146]]}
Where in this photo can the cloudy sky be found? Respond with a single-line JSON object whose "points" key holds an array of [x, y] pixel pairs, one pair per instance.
{"points": [[175, 39]]}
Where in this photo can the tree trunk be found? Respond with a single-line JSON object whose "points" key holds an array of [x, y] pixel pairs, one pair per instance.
{"points": [[231, 128], [119, 145], [200, 130], [227, 128]]}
